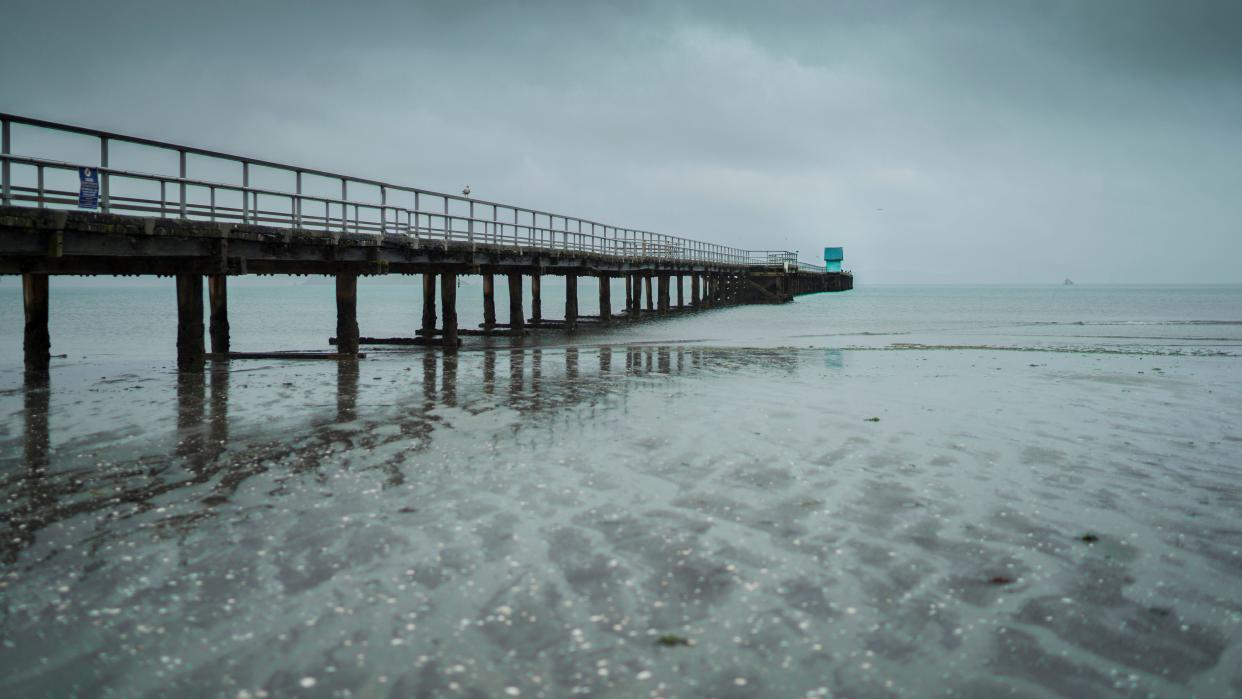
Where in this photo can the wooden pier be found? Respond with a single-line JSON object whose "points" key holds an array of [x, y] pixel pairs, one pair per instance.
{"points": [[190, 235]]}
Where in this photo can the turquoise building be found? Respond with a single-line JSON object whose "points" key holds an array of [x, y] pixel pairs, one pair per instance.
{"points": [[833, 257]]}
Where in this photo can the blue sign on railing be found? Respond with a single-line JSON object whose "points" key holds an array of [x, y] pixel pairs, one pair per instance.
{"points": [[88, 192]]}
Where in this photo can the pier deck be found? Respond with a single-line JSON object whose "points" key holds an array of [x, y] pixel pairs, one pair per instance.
{"points": [[193, 231]]}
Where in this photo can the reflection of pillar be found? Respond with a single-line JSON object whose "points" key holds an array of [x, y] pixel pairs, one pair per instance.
{"points": [[190, 348], [516, 322], [489, 372], [219, 406], [536, 298], [605, 298], [346, 390], [664, 360], [489, 302], [38, 441], [38, 342], [448, 390], [571, 363], [40, 499], [429, 303], [448, 310], [571, 301], [429, 377], [605, 360], [516, 360], [218, 300], [536, 377], [190, 413]]}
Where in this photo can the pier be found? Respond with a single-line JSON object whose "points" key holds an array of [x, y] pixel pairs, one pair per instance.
{"points": [[199, 231]]}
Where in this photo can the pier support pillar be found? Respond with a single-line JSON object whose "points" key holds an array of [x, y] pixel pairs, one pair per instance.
{"points": [[681, 299], [517, 321], [571, 301], [637, 283], [448, 311], [346, 312], [37, 341], [489, 302], [218, 300], [429, 304], [629, 293], [605, 298], [650, 296], [694, 291], [662, 286], [536, 298], [190, 348]]}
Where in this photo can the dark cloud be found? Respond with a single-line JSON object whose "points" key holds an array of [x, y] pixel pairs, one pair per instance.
{"points": [[972, 141]]}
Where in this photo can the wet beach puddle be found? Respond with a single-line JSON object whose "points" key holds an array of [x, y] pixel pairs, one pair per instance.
{"points": [[665, 520]]}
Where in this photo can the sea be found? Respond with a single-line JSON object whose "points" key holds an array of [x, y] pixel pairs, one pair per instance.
{"points": [[896, 491]]}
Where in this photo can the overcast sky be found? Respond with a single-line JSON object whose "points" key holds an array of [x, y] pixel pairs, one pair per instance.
{"points": [[937, 141]]}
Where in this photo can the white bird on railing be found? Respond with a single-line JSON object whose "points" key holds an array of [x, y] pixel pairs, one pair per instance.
{"points": [[466, 192]]}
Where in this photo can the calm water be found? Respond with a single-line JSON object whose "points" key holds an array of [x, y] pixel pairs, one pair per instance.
{"points": [[898, 491]]}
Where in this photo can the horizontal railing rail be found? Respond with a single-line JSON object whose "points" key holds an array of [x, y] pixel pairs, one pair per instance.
{"points": [[426, 216]]}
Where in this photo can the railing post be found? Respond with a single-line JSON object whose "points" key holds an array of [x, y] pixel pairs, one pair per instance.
{"points": [[105, 203], [344, 206], [297, 202], [183, 201], [416, 207], [383, 210], [245, 192], [6, 147]]}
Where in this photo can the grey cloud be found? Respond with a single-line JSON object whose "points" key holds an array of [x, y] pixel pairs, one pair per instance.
{"points": [[948, 141]]}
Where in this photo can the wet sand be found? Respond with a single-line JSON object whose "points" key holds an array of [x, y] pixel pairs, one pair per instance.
{"points": [[556, 521]]}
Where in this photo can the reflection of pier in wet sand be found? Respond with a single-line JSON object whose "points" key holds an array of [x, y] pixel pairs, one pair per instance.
{"points": [[212, 448]]}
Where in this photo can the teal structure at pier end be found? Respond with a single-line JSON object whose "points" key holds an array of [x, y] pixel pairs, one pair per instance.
{"points": [[832, 259]]}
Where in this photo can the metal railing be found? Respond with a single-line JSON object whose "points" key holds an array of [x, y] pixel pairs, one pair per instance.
{"points": [[430, 218]]}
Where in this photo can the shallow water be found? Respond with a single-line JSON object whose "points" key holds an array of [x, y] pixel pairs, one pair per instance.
{"points": [[1047, 505]]}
